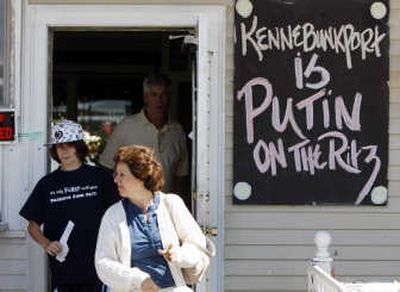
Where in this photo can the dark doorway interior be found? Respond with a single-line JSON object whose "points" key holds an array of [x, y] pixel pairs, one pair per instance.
{"points": [[97, 77]]}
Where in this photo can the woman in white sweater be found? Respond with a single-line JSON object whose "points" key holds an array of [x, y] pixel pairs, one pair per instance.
{"points": [[148, 237]]}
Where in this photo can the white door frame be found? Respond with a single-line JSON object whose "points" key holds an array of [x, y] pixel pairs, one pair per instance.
{"points": [[209, 20]]}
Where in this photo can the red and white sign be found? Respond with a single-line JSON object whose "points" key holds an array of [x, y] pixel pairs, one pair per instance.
{"points": [[7, 125]]}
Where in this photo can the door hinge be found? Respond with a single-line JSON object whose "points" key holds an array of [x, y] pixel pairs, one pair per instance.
{"points": [[210, 230]]}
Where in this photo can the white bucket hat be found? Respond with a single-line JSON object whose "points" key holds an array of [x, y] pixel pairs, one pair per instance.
{"points": [[66, 131]]}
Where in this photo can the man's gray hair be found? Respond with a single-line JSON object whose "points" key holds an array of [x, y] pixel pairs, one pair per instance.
{"points": [[157, 80]]}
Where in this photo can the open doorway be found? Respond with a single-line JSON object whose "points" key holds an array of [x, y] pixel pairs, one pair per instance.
{"points": [[97, 78], [40, 22]]}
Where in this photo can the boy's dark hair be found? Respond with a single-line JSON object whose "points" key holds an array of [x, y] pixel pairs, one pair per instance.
{"points": [[81, 150]]}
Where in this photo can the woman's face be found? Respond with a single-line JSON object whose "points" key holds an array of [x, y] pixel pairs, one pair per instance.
{"points": [[127, 183]]}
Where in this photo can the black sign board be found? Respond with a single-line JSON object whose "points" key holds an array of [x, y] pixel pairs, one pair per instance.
{"points": [[311, 102], [7, 125]]}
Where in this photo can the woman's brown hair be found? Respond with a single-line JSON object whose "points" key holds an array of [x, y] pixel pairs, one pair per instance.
{"points": [[143, 164]]}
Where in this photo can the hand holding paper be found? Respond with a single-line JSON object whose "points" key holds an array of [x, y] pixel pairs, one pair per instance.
{"points": [[63, 241]]}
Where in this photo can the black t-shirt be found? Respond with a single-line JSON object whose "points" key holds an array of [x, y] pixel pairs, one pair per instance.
{"points": [[81, 196]]}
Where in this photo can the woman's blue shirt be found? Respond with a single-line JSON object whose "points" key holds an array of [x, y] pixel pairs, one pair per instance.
{"points": [[146, 241]]}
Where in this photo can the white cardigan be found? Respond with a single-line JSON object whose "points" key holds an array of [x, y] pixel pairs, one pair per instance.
{"points": [[113, 250]]}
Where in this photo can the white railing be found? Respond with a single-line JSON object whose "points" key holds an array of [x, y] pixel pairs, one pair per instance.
{"points": [[319, 278], [320, 281]]}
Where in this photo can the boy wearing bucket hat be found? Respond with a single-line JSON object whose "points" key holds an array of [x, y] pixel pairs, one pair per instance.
{"points": [[65, 208]]}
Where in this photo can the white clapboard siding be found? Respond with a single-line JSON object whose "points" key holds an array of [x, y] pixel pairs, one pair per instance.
{"points": [[267, 247], [395, 45], [394, 81], [324, 220], [394, 109], [394, 126], [355, 270], [394, 142], [240, 283], [393, 206], [394, 173], [13, 264], [395, 94], [395, 59], [10, 250], [12, 267], [13, 282], [373, 238], [294, 252]]}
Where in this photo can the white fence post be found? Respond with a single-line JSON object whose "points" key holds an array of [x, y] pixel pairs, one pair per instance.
{"points": [[322, 257]]}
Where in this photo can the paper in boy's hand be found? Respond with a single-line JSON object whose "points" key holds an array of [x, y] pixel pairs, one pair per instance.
{"points": [[63, 241], [63, 254]]}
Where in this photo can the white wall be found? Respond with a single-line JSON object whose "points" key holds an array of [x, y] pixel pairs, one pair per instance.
{"points": [[13, 263]]}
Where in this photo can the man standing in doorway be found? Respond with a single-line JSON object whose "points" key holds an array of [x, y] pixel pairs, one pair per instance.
{"points": [[153, 127]]}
